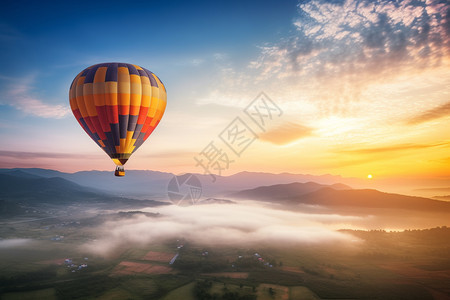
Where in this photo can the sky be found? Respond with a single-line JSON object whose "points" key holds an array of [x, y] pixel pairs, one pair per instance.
{"points": [[350, 88]]}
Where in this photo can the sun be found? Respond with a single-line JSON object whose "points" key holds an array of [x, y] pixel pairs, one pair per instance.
{"points": [[369, 176]]}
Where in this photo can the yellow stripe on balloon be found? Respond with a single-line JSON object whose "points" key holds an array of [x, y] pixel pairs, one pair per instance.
{"points": [[128, 141], [88, 90]]}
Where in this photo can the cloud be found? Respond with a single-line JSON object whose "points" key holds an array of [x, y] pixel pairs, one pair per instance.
{"points": [[173, 154], [197, 61], [14, 243], [40, 155], [382, 35], [394, 148], [432, 114], [340, 55], [286, 133], [341, 48], [19, 96], [223, 225]]}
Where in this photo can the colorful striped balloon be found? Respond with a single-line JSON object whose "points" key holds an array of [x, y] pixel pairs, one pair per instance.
{"points": [[118, 105]]}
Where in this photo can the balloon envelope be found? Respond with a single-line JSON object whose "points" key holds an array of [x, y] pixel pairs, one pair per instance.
{"points": [[118, 105]]}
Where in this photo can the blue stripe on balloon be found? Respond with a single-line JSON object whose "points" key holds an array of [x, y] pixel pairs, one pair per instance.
{"points": [[137, 131], [115, 133], [152, 79], [132, 70], [111, 72], [123, 124], [132, 123], [91, 74], [142, 73]]}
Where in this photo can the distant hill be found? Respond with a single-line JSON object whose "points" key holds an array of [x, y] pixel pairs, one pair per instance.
{"points": [[37, 172], [20, 174], [370, 199], [339, 196], [30, 189], [20, 188], [134, 184], [285, 191], [50, 185], [435, 190], [139, 183], [445, 197], [226, 185], [215, 201]]}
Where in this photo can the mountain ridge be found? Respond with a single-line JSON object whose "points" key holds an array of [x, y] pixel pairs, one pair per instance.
{"points": [[140, 183], [103, 185], [17, 193], [322, 195], [287, 190]]}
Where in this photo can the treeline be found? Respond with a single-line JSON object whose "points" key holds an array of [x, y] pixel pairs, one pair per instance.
{"points": [[200, 266], [27, 281], [85, 286], [191, 260], [202, 291], [440, 234]]}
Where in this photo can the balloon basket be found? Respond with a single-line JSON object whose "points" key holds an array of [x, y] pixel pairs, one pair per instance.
{"points": [[120, 171]]}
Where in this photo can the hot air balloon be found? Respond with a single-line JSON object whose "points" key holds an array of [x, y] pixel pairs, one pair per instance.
{"points": [[118, 105]]}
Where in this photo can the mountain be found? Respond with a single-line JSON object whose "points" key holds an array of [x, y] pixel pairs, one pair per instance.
{"points": [[135, 183], [340, 196], [35, 186], [285, 191], [139, 183], [225, 185], [20, 188], [152, 184], [47, 173], [31, 189], [20, 174], [445, 197], [371, 199], [215, 201], [435, 190]]}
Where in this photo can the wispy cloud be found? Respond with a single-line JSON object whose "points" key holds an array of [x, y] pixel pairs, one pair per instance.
{"points": [[339, 53], [20, 96], [286, 133], [432, 114], [14, 243], [40, 155], [49, 160], [360, 37], [171, 154], [393, 148], [341, 48]]}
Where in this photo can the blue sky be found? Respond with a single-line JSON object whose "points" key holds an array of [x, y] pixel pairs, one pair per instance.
{"points": [[45, 44], [358, 81]]}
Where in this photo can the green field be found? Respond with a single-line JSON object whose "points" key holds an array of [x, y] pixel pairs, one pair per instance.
{"points": [[185, 292], [301, 292], [31, 295], [407, 265]]}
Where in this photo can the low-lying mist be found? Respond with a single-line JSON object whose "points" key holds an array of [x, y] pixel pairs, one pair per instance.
{"points": [[14, 243], [249, 223], [224, 224]]}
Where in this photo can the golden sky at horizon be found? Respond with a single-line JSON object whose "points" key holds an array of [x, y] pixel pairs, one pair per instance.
{"points": [[363, 88]]}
